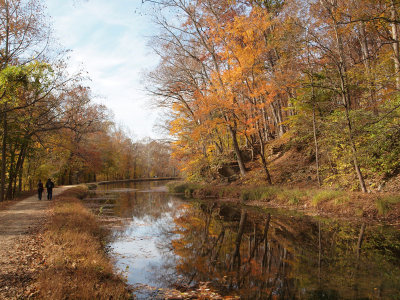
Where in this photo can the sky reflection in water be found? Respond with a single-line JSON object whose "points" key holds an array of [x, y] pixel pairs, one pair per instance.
{"points": [[168, 242]]}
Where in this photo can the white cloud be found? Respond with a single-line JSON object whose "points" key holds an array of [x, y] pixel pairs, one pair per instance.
{"points": [[108, 38]]}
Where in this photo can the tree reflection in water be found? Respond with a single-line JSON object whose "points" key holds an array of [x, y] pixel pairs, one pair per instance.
{"points": [[259, 255]]}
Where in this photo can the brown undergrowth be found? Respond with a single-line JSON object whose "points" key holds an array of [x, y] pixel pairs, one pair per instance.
{"points": [[77, 266]]}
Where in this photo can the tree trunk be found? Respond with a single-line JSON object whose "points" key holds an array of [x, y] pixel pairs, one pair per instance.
{"points": [[265, 124], [360, 239], [236, 253], [367, 65], [395, 44], [69, 176], [12, 174], [237, 151], [354, 151], [4, 145], [3, 156], [277, 114], [263, 159], [319, 252], [20, 175], [315, 131], [265, 238], [342, 70], [316, 146]]}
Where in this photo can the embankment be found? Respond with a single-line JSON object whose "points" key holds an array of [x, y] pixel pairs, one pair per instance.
{"points": [[77, 266], [381, 207]]}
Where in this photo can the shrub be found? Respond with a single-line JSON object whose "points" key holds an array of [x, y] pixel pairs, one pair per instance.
{"points": [[384, 204], [259, 193], [180, 187], [292, 196], [91, 186]]}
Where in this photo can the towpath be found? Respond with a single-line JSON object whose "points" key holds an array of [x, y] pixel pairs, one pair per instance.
{"points": [[21, 243]]}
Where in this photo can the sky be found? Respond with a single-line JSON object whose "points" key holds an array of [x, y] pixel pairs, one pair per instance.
{"points": [[108, 39]]}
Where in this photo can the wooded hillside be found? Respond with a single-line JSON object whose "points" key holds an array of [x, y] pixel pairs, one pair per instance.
{"points": [[320, 77]]}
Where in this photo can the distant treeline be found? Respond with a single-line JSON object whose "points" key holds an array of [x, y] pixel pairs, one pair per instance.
{"points": [[49, 125]]}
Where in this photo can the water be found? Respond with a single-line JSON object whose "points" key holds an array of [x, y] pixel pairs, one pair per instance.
{"points": [[162, 241]]}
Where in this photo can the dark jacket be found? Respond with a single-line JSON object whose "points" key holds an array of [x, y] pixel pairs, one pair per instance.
{"points": [[49, 185]]}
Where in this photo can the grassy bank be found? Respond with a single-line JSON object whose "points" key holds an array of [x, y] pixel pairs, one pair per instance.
{"points": [[379, 206], [76, 264]]}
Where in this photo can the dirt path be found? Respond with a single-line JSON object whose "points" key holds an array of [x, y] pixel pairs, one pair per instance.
{"points": [[20, 245]]}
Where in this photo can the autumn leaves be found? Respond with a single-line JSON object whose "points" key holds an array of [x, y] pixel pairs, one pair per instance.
{"points": [[237, 75]]}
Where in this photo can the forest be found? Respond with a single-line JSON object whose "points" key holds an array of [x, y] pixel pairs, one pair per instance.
{"points": [[50, 125], [241, 79], [238, 81], [281, 122]]}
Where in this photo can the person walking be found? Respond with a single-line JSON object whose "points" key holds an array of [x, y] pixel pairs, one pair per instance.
{"points": [[49, 187], [40, 189]]}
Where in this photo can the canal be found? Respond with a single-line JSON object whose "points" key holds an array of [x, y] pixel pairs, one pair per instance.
{"points": [[161, 242]]}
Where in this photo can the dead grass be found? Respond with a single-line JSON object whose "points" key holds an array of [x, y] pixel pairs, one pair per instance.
{"points": [[77, 266]]}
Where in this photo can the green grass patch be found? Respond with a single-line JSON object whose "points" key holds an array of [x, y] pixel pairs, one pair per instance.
{"points": [[292, 196], [342, 200], [326, 195], [259, 193], [385, 203]]}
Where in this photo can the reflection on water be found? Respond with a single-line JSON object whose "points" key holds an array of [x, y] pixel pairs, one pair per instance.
{"points": [[168, 242]]}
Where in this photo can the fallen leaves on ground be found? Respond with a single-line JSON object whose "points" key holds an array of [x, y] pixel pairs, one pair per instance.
{"points": [[20, 264], [204, 291]]}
